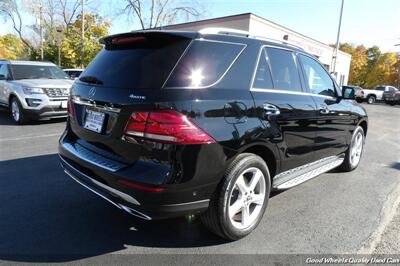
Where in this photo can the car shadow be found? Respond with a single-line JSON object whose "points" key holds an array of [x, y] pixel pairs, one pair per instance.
{"points": [[6, 120], [47, 217]]}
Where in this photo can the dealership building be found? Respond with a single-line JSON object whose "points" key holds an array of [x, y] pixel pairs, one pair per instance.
{"points": [[258, 26]]}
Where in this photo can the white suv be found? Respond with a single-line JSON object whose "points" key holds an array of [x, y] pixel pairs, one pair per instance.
{"points": [[33, 90]]}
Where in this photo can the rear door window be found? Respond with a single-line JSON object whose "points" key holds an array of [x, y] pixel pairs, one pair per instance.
{"points": [[204, 64], [285, 74]]}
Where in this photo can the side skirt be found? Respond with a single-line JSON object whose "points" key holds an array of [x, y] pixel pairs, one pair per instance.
{"points": [[305, 172]]}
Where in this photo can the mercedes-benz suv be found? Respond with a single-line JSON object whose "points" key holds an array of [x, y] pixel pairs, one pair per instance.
{"points": [[33, 90], [169, 123]]}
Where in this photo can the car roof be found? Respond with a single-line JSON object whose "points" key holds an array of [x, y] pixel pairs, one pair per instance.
{"points": [[224, 34], [25, 62]]}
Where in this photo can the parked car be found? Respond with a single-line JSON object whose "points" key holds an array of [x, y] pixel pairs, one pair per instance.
{"points": [[376, 94], [392, 96], [358, 92], [33, 90], [74, 73], [206, 122]]}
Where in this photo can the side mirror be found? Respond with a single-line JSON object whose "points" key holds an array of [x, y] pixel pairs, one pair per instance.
{"points": [[2, 77], [348, 93]]}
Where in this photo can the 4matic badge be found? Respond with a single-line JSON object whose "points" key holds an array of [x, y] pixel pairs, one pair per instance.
{"points": [[137, 97]]}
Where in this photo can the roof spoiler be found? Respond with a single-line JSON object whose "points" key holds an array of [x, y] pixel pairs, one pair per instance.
{"points": [[184, 34]]}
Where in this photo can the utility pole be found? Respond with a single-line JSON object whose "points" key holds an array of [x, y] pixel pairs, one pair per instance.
{"points": [[398, 67], [335, 50], [41, 31], [83, 33]]}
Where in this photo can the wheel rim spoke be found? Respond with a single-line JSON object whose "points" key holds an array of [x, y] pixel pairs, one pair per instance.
{"points": [[235, 207], [245, 215], [258, 199], [255, 179], [241, 185]]}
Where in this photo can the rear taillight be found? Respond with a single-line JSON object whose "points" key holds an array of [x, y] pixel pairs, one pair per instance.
{"points": [[70, 108], [166, 126]]}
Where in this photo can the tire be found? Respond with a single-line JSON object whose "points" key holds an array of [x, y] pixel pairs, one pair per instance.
{"points": [[221, 218], [350, 162], [371, 99], [359, 100], [17, 111]]}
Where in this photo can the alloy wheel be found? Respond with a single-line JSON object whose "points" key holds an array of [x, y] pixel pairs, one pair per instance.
{"points": [[15, 111], [356, 149], [247, 198]]}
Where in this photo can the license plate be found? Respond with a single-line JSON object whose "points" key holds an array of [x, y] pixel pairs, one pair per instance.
{"points": [[64, 104], [94, 121]]}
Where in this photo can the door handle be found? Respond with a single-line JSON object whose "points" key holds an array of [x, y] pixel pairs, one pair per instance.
{"points": [[323, 109], [271, 109]]}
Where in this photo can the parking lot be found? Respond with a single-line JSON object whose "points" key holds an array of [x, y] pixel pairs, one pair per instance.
{"points": [[45, 216]]}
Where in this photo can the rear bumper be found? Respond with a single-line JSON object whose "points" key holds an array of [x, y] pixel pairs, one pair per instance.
{"points": [[130, 204], [176, 200]]}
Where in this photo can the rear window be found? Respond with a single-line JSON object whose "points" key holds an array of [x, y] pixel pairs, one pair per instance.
{"points": [[204, 63], [142, 62]]}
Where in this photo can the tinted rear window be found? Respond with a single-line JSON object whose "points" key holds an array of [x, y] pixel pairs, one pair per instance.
{"points": [[204, 63], [138, 62]]}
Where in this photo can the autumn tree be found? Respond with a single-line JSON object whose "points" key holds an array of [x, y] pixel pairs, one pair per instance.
{"points": [[358, 66], [157, 13], [95, 28], [11, 47], [383, 71]]}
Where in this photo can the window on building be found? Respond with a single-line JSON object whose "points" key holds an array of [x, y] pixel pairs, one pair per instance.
{"points": [[285, 75], [317, 79]]}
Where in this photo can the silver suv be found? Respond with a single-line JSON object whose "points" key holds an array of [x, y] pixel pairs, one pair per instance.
{"points": [[33, 90]]}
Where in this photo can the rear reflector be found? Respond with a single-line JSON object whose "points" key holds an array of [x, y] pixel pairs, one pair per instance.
{"points": [[167, 126], [70, 108], [140, 187]]}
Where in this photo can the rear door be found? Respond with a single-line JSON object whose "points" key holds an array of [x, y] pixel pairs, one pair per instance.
{"points": [[333, 115], [4, 84], [285, 110]]}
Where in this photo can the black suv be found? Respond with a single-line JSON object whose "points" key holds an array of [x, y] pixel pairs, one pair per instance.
{"points": [[168, 123]]}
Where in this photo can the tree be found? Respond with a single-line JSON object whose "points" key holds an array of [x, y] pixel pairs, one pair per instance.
{"points": [[156, 13], [95, 28], [10, 10], [358, 66], [384, 71], [11, 47]]}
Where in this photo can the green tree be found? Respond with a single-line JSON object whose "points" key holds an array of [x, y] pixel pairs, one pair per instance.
{"points": [[11, 47], [70, 48], [384, 71], [358, 66]]}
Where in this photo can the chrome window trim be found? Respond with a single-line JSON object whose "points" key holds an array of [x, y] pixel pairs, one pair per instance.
{"points": [[220, 78], [291, 92]]}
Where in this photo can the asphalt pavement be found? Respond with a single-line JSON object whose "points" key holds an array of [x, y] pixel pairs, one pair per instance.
{"points": [[47, 217]]}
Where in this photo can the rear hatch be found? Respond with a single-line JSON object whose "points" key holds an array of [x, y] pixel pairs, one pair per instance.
{"points": [[126, 76]]}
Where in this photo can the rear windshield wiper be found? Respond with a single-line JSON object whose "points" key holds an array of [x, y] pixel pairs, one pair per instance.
{"points": [[91, 79]]}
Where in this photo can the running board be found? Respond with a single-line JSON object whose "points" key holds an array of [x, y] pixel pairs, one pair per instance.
{"points": [[303, 173]]}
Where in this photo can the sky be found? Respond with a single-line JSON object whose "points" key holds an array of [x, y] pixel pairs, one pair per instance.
{"points": [[368, 22]]}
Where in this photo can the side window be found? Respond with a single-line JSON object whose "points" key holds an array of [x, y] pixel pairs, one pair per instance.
{"points": [[285, 75], [4, 70], [263, 78], [204, 63], [380, 88], [317, 79]]}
